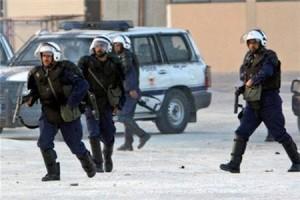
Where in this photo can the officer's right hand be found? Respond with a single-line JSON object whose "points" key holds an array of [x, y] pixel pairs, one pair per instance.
{"points": [[249, 83], [239, 90], [29, 102]]}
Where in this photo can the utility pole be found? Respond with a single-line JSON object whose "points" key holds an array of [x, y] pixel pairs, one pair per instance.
{"points": [[1, 15], [92, 10], [250, 14], [141, 12]]}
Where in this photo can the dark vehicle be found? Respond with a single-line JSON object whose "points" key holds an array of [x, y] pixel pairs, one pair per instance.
{"points": [[295, 88]]}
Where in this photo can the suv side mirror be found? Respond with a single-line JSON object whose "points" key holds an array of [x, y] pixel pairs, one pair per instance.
{"points": [[295, 87]]}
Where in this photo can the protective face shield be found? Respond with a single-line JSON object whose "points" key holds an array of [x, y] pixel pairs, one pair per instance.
{"points": [[49, 47], [124, 40], [255, 34], [103, 42]]}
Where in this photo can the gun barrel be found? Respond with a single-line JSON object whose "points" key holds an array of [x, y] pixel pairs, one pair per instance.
{"points": [[236, 103], [93, 103], [17, 110]]}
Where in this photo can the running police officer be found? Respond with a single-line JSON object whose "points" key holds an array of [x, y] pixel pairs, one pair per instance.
{"points": [[121, 46], [261, 73], [102, 70], [60, 87]]}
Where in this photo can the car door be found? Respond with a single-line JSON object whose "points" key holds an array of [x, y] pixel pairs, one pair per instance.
{"points": [[184, 67], [154, 78]]}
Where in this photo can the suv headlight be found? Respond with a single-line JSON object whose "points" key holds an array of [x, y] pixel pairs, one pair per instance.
{"points": [[295, 88]]}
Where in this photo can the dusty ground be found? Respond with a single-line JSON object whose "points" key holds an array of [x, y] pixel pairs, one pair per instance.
{"points": [[182, 166]]}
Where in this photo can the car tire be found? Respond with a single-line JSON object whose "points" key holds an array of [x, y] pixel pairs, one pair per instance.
{"points": [[174, 113]]}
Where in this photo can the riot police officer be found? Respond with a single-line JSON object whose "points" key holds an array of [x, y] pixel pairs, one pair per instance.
{"points": [[60, 86], [261, 73], [102, 70], [121, 46]]}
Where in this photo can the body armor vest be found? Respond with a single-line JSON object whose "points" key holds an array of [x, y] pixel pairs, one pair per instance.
{"points": [[129, 62], [252, 65], [106, 72], [51, 103], [46, 95]]}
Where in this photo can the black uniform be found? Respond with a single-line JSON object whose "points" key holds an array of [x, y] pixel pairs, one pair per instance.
{"points": [[263, 68], [69, 87], [108, 73], [131, 72]]}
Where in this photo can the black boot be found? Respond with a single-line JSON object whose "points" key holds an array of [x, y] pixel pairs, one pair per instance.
{"points": [[291, 150], [133, 128], [127, 146], [97, 154], [144, 137], [107, 153], [143, 140], [238, 150], [53, 169], [87, 164]]}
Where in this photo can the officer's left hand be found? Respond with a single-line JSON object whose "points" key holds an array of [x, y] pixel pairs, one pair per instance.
{"points": [[249, 83], [133, 94]]}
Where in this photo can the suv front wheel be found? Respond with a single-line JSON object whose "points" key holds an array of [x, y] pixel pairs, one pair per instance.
{"points": [[174, 113]]}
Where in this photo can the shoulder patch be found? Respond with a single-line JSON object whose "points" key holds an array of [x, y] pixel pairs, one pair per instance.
{"points": [[34, 70]]}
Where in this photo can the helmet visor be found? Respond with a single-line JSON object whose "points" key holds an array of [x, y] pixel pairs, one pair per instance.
{"points": [[243, 38], [101, 44]]}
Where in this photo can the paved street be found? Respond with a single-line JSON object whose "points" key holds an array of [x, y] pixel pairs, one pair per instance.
{"points": [[180, 166]]}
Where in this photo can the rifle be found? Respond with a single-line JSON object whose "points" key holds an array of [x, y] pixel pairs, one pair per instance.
{"points": [[17, 110], [20, 101], [144, 104], [237, 93], [93, 103]]}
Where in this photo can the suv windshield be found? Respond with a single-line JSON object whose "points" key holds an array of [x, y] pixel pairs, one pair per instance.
{"points": [[72, 49]]}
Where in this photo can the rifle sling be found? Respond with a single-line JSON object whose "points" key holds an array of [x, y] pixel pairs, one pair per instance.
{"points": [[97, 80]]}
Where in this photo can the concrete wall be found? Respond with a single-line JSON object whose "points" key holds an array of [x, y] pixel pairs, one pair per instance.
{"points": [[154, 15], [217, 29], [155, 12], [120, 9], [21, 8], [36, 9], [281, 21]]}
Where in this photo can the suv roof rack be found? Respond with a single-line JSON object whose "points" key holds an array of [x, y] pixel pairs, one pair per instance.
{"points": [[118, 25]]}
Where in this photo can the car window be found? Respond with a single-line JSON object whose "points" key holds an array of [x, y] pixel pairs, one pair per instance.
{"points": [[175, 47], [72, 49], [144, 49]]}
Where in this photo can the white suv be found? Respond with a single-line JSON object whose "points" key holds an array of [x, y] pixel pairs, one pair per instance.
{"points": [[6, 52], [174, 79]]}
